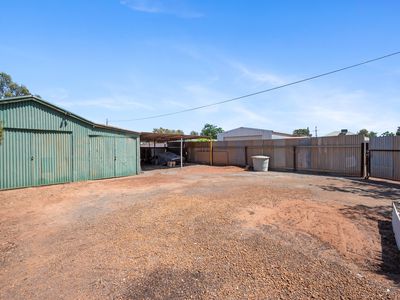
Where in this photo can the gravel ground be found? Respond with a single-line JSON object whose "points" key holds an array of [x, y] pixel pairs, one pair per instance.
{"points": [[201, 232]]}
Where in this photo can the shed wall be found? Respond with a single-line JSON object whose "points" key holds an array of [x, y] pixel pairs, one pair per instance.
{"points": [[45, 146]]}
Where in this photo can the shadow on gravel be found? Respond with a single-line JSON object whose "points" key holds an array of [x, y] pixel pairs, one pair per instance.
{"points": [[367, 188], [170, 284], [389, 265]]}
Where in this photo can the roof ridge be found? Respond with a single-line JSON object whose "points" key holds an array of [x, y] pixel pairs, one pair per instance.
{"points": [[60, 109]]}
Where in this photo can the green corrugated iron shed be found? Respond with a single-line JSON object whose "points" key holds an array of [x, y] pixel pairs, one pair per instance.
{"points": [[45, 144]]}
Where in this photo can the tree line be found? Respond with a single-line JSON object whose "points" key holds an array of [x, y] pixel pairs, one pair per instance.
{"points": [[208, 130], [365, 132], [9, 88]]}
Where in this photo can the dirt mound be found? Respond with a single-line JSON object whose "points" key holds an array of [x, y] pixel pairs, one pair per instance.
{"points": [[327, 223]]}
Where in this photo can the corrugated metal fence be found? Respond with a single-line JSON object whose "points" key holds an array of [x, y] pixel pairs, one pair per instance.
{"points": [[384, 157], [342, 155]]}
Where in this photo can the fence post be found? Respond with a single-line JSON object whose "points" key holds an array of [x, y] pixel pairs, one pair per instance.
{"points": [[367, 161], [262, 148], [181, 152], [363, 161], [211, 152], [294, 159]]}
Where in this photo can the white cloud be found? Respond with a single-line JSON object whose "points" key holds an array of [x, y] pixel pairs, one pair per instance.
{"points": [[249, 116], [177, 104], [258, 76], [188, 50], [112, 103], [334, 109], [173, 7], [54, 93], [199, 95], [144, 5]]}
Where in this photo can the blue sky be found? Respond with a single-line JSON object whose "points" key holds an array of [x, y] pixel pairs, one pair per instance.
{"points": [[126, 59]]}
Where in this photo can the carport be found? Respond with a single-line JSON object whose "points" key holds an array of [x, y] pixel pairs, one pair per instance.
{"points": [[154, 138]]}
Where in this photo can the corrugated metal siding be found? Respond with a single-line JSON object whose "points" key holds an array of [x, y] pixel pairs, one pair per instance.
{"points": [[51, 134], [279, 151], [126, 161], [51, 157], [80, 143], [16, 166], [32, 115], [396, 158], [385, 157], [30, 158], [341, 155], [112, 156], [102, 157]]}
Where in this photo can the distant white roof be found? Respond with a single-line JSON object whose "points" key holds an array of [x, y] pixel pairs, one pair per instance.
{"points": [[248, 133], [337, 133], [258, 130]]}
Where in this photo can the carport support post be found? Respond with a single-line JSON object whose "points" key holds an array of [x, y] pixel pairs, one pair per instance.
{"points": [[181, 152]]}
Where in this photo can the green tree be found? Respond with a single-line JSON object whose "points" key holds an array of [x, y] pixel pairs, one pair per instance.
{"points": [[168, 131], [8, 88], [363, 132], [398, 131], [194, 132], [211, 130], [302, 132], [367, 133], [387, 133]]}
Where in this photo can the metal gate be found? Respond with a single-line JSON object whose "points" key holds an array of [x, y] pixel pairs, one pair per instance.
{"points": [[384, 157]]}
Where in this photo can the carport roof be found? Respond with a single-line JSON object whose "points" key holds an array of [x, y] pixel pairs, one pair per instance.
{"points": [[167, 137]]}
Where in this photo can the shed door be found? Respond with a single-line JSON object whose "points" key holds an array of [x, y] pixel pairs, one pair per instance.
{"points": [[51, 157], [30, 158], [15, 159], [102, 157], [125, 153]]}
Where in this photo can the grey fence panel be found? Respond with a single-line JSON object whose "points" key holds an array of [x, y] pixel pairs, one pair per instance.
{"points": [[199, 152], [339, 155], [385, 157], [303, 155]]}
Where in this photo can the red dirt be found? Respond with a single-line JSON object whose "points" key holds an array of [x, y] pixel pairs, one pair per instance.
{"points": [[200, 232], [326, 223]]}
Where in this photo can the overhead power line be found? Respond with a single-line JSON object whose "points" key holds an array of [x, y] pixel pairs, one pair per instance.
{"points": [[262, 91]]}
